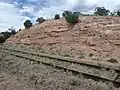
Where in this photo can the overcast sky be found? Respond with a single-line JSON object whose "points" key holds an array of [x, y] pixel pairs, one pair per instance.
{"points": [[15, 12]]}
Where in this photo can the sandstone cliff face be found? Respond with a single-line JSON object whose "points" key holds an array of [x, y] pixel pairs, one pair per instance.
{"points": [[97, 35]]}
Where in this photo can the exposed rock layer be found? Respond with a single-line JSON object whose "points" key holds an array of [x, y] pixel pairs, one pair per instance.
{"points": [[97, 35]]}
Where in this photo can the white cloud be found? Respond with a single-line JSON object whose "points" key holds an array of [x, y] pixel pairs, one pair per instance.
{"points": [[10, 16], [54, 8], [110, 4], [33, 1], [49, 12], [78, 5], [27, 9]]}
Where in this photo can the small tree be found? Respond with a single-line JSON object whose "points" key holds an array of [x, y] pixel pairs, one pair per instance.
{"points": [[2, 38], [40, 20], [78, 13], [112, 14], [101, 11], [72, 18], [65, 13], [27, 24], [57, 16], [12, 30], [118, 13]]}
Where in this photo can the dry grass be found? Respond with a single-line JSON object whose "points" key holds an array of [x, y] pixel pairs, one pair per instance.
{"points": [[40, 77]]}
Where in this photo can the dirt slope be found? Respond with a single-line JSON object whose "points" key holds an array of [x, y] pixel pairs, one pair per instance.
{"points": [[99, 36]]}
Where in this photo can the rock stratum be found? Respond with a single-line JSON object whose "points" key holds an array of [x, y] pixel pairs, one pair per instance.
{"points": [[93, 35]]}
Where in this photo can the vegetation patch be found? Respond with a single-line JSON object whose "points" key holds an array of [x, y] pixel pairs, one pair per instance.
{"points": [[72, 18]]}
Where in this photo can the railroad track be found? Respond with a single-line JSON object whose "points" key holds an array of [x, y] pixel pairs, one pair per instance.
{"points": [[88, 70]]}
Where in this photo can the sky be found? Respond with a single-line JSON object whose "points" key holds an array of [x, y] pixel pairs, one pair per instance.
{"points": [[15, 12]]}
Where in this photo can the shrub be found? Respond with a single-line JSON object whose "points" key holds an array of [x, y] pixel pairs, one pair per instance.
{"points": [[65, 13], [101, 11], [112, 13], [27, 24], [72, 18], [7, 34], [20, 30], [78, 13], [40, 20], [118, 13], [12, 30], [57, 16], [2, 38], [91, 55]]}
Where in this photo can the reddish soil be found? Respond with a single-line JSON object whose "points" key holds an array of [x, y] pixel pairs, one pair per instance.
{"points": [[99, 36]]}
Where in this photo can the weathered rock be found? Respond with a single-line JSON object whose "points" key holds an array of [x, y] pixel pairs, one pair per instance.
{"points": [[91, 34]]}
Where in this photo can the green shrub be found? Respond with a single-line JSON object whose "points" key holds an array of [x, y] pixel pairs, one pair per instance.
{"points": [[2, 38], [20, 30], [101, 11], [112, 14], [118, 13], [91, 55], [12, 30], [57, 16], [40, 20], [77, 13], [72, 18], [65, 13], [27, 24]]}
